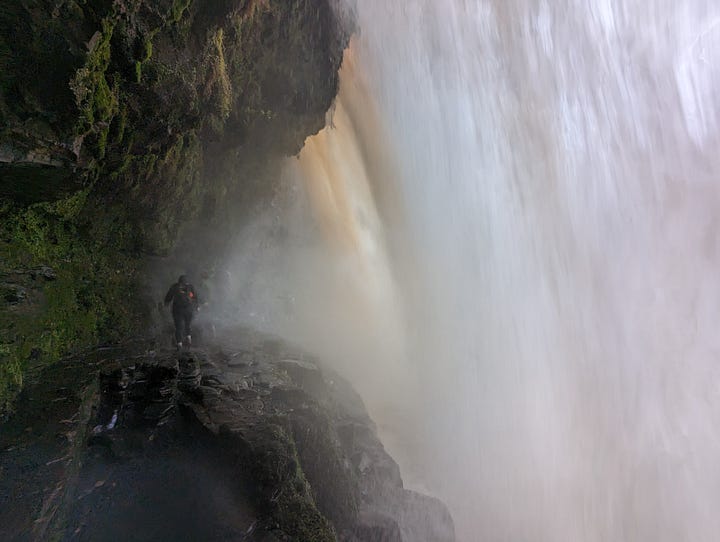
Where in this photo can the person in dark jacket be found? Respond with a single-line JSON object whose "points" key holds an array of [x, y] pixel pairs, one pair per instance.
{"points": [[184, 304]]}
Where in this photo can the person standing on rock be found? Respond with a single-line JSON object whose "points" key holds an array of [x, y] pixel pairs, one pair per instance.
{"points": [[184, 304]]}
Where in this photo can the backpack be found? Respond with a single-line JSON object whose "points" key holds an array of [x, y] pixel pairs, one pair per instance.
{"points": [[185, 296]]}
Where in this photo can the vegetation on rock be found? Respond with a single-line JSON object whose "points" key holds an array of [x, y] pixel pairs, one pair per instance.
{"points": [[76, 293], [120, 122]]}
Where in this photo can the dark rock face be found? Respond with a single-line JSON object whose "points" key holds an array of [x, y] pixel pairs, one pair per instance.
{"points": [[248, 440], [155, 102], [120, 122]]}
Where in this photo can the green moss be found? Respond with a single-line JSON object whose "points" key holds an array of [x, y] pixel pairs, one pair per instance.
{"points": [[218, 91], [102, 139], [146, 54], [69, 208], [94, 97], [138, 71], [120, 126], [85, 302], [334, 486], [132, 91], [277, 469], [178, 8], [148, 47], [11, 377], [300, 519], [221, 77]]}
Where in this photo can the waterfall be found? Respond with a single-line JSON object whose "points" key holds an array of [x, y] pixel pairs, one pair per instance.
{"points": [[526, 191]]}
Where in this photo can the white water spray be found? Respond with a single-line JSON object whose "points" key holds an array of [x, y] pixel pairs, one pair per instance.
{"points": [[547, 173]]}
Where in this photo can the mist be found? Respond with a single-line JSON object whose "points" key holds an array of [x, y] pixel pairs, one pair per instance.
{"points": [[507, 239]]}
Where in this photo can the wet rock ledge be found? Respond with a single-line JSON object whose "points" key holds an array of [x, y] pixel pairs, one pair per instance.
{"points": [[246, 439]]}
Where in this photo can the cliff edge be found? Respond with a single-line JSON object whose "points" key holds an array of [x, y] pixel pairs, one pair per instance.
{"points": [[247, 439]]}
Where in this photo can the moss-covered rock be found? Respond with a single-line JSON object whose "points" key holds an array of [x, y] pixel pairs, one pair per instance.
{"points": [[282, 491], [122, 120], [86, 296]]}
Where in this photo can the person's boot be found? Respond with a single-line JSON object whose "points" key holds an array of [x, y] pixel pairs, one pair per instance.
{"points": [[189, 341], [179, 346]]}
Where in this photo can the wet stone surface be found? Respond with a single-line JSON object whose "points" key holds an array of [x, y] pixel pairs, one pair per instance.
{"points": [[246, 439]]}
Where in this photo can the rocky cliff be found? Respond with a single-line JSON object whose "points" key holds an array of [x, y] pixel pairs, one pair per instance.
{"points": [[249, 439], [122, 120]]}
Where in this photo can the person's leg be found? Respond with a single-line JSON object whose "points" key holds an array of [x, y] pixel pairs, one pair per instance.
{"points": [[179, 325], [188, 321]]}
